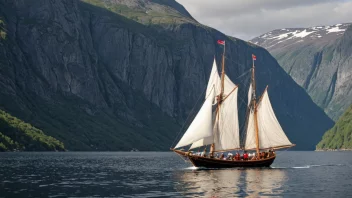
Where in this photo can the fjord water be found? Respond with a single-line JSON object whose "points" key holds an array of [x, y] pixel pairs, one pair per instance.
{"points": [[164, 174]]}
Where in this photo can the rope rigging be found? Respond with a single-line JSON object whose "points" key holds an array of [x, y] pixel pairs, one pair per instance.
{"points": [[187, 119]]}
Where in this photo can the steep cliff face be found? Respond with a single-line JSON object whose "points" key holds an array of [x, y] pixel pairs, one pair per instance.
{"points": [[97, 80], [318, 59], [52, 76]]}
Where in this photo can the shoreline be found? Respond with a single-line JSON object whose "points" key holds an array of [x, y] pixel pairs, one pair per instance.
{"points": [[333, 150]]}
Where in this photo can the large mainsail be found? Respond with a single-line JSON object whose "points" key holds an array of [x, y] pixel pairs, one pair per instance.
{"points": [[227, 135], [225, 130], [270, 132], [201, 126]]}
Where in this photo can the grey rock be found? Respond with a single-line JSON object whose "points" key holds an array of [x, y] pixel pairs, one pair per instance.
{"points": [[320, 62], [96, 79]]}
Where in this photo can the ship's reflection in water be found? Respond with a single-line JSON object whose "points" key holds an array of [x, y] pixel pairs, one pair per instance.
{"points": [[231, 182]]}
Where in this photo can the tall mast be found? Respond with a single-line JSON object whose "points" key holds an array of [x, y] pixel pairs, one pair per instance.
{"points": [[222, 74], [220, 97], [254, 100]]}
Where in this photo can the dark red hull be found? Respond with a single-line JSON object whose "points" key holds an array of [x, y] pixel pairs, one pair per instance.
{"points": [[206, 162]]}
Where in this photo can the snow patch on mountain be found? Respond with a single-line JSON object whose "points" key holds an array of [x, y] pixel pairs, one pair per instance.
{"points": [[289, 36], [335, 29], [303, 34]]}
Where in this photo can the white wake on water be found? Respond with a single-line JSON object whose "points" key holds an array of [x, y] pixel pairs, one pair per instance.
{"points": [[192, 168], [307, 166]]}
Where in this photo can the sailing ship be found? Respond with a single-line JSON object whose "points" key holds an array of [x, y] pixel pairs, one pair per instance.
{"points": [[216, 126]]}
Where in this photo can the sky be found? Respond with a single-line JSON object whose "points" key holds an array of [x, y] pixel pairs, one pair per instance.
{"points": [[246, 19]]}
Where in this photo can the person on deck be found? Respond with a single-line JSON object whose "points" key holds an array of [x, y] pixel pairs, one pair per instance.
{"points": [[229, 156], [255, 156], [250, 156], [245, 155], [222, 156], [237, 156], [211, 155], [270, 152]]}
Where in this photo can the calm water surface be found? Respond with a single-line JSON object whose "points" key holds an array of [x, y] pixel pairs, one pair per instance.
{"points": [[154, 174]]}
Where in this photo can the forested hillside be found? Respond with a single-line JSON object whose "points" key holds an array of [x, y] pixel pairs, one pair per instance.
{"points": [[340, 136], [18, 135]]}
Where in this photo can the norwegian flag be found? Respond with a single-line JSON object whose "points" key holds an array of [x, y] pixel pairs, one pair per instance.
{"points": [[254, 57], [220, 42]]}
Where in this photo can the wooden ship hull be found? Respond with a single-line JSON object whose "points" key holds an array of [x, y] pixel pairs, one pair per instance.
{"points": [[206, 162]]}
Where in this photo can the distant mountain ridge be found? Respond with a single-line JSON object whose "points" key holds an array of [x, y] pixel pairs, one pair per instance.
{"points": [[281, 38], [105, 75], [317, 58], [148, 12]]}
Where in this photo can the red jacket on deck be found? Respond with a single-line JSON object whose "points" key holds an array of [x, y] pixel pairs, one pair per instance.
{"points": [[245, 156], [237, 156]]}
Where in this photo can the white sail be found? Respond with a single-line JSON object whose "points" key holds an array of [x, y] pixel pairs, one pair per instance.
{"points": [[250, 137], [214, 81], [226, 130], [201, 126], [227, 135], [229, 86], [249, 94], [203, 142], [270, 132], [213, 84]]}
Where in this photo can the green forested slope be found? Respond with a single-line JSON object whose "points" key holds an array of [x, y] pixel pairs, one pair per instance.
{"points": [[340, 136], [18, 135]]}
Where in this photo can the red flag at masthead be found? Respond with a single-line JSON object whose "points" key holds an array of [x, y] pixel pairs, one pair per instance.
{"points": [[220, 42], [254, 57]]}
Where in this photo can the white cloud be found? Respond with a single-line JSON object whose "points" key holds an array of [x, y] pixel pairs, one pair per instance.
{"points": [[246, 19]]}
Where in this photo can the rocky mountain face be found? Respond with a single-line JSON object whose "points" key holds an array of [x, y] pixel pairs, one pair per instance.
{"points": [[339, 137], [115, 74], [317, 58]]}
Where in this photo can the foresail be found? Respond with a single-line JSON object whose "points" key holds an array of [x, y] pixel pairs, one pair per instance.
{"points": [[214, 81], [203, 142], [227, 135], [271, 134], [201, 126]]}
